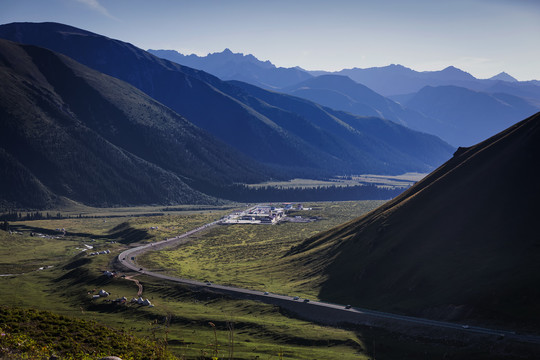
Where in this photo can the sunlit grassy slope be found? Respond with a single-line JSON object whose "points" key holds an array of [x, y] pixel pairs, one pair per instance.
{"points": [[252, 256], [36, 335], [257, 329]]}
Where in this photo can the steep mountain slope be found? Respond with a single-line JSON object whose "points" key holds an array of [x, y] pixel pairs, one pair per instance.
{"points": [[342, 93], [369, 141], [217, 107], [69, 130], [467, 116], [189, 92], [19, 188], [233, 66], [460, 244]]}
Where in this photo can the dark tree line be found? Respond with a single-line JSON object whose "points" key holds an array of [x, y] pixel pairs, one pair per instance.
{"points": [[244, 193], [37, 215]]}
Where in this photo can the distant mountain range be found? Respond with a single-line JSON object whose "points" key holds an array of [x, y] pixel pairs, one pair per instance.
{"points": [[457, 115], [341, 93], [230, 66], [462, 244], [467, 116], [395, 80], [260, 130], [369, 141], [410, 95], [261, 134]]}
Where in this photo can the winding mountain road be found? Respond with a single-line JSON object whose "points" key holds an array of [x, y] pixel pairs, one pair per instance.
{"points": [[328, 313]]}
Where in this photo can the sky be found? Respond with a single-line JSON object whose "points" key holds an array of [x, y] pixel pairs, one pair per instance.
{"points": [[482, 37]]}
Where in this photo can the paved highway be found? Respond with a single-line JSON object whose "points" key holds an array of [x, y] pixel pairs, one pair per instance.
{"points": [[315, 310]]}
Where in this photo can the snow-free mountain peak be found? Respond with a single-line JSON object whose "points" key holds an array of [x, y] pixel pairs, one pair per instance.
{"points": [[237, 66], [503, 76]]}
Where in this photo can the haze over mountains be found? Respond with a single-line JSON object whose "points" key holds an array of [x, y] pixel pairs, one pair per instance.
{"points": [[340, 92], [272, 135], [461, 245], [395, 80], [226, 110], [479, 113], [394, 92], [319, 127]]}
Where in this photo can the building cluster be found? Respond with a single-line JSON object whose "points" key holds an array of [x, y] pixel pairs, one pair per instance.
{"points": [[141, 301], [123, 300], [262, 214], [109, 274], [101, 294], [100, 252]]}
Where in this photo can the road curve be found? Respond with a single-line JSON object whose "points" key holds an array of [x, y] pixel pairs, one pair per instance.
{"points": [[314, 310]]}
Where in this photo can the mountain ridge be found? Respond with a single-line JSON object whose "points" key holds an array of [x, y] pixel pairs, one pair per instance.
{"points": [[236, 66], [359, 99], [469, 116], [342, 93], [447, 248], [223, 109], [396, 80], [95, 139]]}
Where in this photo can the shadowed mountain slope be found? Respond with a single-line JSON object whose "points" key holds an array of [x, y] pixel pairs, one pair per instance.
{"points": [[216, 106], [68, 130], [20, 188], [370, 142], [189, 92], [462, 244]]}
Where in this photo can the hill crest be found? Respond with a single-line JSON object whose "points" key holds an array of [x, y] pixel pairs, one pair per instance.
{"points": [[459, 245]]}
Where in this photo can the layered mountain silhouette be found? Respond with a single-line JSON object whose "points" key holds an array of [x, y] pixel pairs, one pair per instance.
{"points": [[364, 140], [342, 93], [346, 90], [460, 116], [266, 132], [70, 131], [467, 117], [395, 80], [462, 244], [235, 66]]}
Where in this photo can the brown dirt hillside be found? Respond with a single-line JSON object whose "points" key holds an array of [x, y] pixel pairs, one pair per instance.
{"points": [[462, 244]]}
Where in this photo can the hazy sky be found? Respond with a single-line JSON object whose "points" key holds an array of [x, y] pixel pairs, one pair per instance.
{"points": [[483, 37]]}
